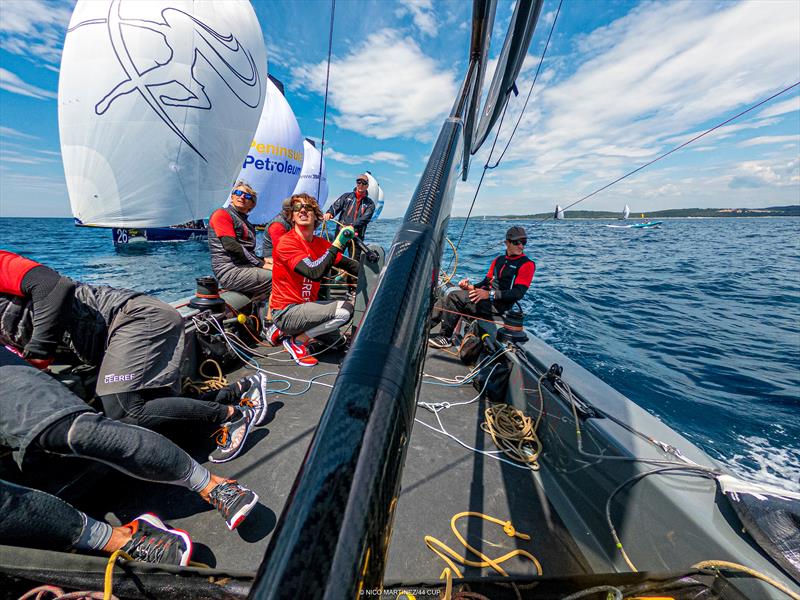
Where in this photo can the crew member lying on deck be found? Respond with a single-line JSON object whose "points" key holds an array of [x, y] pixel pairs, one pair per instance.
{"points": [[506, 282], [39, 415], [301, 261], [232, 243], [136, 340]]}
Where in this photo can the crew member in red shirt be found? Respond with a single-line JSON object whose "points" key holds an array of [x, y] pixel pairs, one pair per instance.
{"points": [[300, 261], [277, 228], [506, 282]]}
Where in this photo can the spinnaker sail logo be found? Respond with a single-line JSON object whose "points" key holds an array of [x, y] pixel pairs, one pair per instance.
{"points": [[171, 83]]}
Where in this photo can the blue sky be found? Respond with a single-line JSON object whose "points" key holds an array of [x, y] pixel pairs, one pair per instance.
{"points": [[621, 83]]}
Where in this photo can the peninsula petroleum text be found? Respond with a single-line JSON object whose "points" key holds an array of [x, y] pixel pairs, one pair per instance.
{"points": [[266, 164]]}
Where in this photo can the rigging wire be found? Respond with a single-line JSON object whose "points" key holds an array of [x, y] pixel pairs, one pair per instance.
{"points": [[676, 148], [658, 158], [500, 126], [325, 106]]}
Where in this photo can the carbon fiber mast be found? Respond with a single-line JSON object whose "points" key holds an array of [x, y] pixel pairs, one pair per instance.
{"points": [[333, 534]]}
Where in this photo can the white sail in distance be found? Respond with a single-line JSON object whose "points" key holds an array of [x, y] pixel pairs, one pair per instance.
{"points": [[378, 204], [157, 103], [375, 192], [559, 212], [275, 159], [310, 181], [626, 212]]}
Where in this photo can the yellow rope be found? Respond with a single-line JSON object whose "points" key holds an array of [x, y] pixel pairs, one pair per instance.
{"points": [[448, 555], [444, 277], [731, 566], [108, 580], [211, 382], [514, 433]]}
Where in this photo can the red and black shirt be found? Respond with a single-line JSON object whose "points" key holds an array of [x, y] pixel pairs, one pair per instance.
{"points": [[509, 277]]}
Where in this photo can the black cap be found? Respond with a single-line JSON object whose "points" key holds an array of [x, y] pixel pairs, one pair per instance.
{"points": [[516, 233]]}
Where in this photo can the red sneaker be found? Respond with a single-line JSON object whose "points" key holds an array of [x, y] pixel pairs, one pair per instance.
{"points": [[299, 352], [274, 335]]}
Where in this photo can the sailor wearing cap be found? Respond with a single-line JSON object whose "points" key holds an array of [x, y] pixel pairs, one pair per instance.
{"points": [[506, 282]]}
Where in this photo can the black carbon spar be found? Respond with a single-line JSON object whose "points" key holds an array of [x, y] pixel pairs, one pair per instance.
{"points": [[333, 534]]}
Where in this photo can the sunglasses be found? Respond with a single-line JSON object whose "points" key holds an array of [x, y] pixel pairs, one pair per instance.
{"points": [[244, 195], [362, 182], [298, 207], [517, 242]]}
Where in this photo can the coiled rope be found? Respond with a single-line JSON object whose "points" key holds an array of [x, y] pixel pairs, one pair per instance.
{"points": [[514, 433]]}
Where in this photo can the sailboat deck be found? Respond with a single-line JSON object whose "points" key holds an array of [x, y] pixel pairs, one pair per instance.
{"points": [[440, 479]]}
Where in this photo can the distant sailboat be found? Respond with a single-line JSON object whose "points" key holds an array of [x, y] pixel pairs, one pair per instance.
{"points": [[626, 212], [559, 212]]}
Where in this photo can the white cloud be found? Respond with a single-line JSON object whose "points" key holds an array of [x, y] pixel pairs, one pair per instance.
{"points": [[22, 158], [648, 79], [376, 157], [34, 29], [377, 90], [754, 174], [11, 83], [770, 139], [422, 14], [9, 132], [781, 108]]}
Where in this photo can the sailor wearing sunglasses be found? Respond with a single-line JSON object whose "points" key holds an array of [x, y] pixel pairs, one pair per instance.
{"points": [[353, 208], [506, 282], [232, 242]]}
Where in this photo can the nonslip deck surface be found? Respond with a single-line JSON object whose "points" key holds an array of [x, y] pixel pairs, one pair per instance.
{"points": [[440, 479]]}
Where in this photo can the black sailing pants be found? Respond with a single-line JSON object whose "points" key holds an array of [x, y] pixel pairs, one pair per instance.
{"points": [[459, 302]]}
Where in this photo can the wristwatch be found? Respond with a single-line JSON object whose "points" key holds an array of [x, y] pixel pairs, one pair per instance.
{"points": [[491, 295]]}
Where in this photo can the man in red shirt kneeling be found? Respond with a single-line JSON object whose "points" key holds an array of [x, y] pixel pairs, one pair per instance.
{"points": [[300, 261]]}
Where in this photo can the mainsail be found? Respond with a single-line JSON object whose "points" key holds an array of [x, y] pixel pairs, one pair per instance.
{"points": [[559, 212], [275, 159], [310, 181], [157, 102], [626, 212], [375, 192]]}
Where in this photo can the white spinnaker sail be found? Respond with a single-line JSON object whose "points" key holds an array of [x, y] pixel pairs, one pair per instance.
{"points": [[378, 204], [310, 181], [626, 212], [375, 192], [157, 103], [559, 213], [275, 158]]}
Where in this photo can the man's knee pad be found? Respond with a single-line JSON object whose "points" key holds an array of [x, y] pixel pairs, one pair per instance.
{"points": [[130, 448]]}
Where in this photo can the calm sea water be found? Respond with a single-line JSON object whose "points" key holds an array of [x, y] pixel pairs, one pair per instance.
{"points": [[698, 321]]}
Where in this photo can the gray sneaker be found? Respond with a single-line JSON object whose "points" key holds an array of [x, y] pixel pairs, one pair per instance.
{"points": [[231, 436], [152, 541], [254, 395], [233, 501], [439, 341]]}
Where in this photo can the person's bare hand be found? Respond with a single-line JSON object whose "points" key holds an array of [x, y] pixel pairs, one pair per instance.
{"points": [[464, 284], [476, 295]]}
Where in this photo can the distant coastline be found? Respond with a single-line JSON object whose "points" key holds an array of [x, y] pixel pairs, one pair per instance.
{"points": [[792, 210]]}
